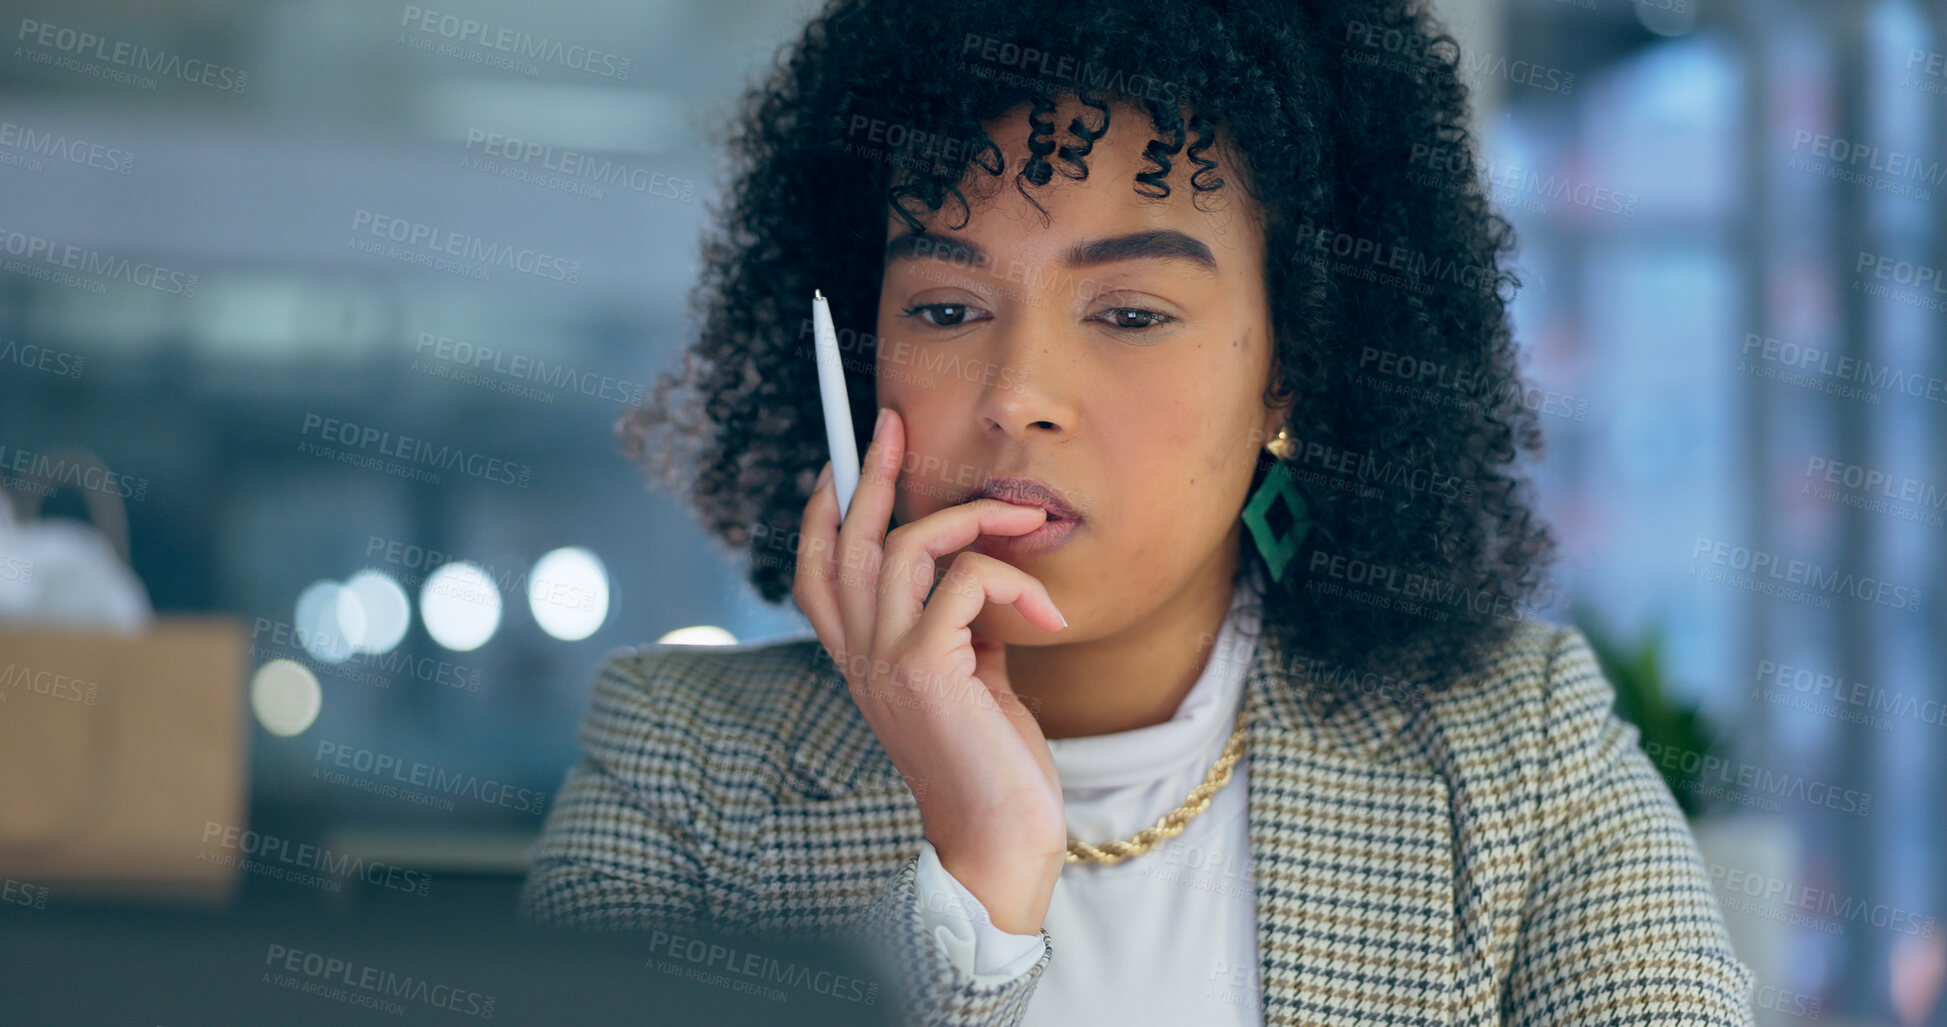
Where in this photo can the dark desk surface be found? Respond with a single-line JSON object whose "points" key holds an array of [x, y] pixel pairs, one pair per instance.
{"points": [[453, 956]]}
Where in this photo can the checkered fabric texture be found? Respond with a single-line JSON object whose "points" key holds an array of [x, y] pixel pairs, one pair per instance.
{"points": [[1498, 853]]}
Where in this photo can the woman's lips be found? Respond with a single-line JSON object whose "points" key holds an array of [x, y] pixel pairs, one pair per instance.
{"points": [[1025, 492], [1051, 534]]}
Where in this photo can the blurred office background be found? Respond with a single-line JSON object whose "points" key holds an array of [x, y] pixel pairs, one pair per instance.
{"points": [[1728, 209]]}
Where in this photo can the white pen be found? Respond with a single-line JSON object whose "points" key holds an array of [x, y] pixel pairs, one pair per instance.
{"points": [[838, 410]]}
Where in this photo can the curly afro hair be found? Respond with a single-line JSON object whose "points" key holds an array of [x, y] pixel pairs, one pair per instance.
{"points": [[1384, 270]]}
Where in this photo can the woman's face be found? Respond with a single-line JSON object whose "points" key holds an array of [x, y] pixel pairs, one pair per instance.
{"points": [[1118, 354]]}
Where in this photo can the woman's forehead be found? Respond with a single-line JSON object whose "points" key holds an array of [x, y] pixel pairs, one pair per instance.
{"points": [[1106, 199]]}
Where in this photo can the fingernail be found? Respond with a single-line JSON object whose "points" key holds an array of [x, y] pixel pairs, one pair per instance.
{"points": [[880, 425], [824, 476], [1057, 609]]}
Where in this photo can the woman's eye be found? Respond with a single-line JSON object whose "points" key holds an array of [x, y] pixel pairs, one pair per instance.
{"points": [[954, 315], [1143, 318], [940, 315]]}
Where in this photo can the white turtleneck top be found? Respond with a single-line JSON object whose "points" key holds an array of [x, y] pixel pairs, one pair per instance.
{"points": [[1167, 937]]}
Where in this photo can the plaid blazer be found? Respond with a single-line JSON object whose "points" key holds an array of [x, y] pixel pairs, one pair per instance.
{"points": [[1502, 852]]}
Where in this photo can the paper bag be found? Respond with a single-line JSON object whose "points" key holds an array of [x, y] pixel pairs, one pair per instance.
{"points": [[117, 753]]}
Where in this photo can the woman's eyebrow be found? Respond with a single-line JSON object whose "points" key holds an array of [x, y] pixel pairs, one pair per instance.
{"points": [[1158, 244]]}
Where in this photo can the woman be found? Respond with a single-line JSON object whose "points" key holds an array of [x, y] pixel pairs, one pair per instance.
{"points": [[1177, 619]]}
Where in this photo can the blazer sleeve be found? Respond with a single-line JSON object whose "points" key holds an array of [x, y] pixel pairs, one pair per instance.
{"points": [[961, 924], [1620, 922], [624, 846], [934, 990]]}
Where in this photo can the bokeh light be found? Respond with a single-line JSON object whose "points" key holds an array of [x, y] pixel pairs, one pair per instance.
{"points": [[702, 634], [388, 612], [328, 617], [285, 696], [568, 592], [460, 606]]}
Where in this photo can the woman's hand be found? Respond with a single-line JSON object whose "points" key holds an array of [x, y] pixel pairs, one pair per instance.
{"points": [[937, 695]]}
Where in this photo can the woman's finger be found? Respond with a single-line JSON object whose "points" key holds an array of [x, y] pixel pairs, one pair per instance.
{"points": [[815, 585], [913, 552], [862, 534], [973, 581]]}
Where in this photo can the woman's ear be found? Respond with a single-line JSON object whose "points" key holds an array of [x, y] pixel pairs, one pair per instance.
{"points": [[1274, 419], [1282, 402]]}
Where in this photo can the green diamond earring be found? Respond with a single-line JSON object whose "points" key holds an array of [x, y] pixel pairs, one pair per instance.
{"points": [[1278, 548]]}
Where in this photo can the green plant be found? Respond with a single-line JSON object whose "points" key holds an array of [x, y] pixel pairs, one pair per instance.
{"points": [[1642, 698]]}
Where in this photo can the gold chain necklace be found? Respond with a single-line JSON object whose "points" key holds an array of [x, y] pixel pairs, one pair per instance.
{"points": [[1172, 823]]}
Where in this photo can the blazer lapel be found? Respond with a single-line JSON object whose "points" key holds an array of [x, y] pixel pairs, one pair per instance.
{"points": [[1352, 855]]}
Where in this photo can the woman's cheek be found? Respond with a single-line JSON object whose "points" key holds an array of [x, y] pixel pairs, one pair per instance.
{"points": [[903, 363]]}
